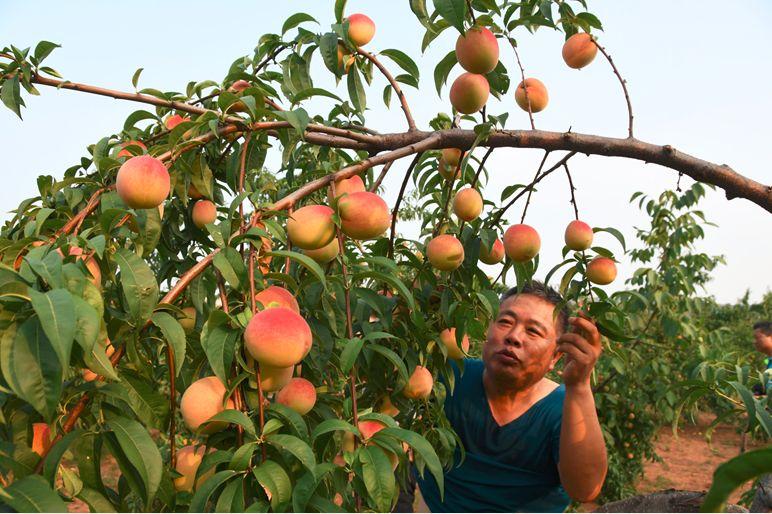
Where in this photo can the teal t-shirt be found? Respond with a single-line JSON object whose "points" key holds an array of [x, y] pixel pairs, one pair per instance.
{"points": [[511, 468]]}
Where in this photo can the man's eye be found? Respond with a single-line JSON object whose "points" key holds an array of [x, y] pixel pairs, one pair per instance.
{"points": [[534, 332]]}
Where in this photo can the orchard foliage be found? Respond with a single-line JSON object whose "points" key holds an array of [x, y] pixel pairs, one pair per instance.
{"points": [[136, 328]]}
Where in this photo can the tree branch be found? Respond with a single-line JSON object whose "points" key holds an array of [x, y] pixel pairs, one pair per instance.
{"points": [[394, 85], [395, 211], [623, 82]]}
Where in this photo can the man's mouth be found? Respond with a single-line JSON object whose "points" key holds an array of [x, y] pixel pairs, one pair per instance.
{"points": [[507, 357]]}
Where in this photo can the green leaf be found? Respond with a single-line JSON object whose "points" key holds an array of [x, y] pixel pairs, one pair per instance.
{"points": [[230, 263], [298, 118], [356, 90], [732, 474], [294, 419], [54, 456], [57, 317], [296, 446], [393, 281], [403, 60], [49, 268], [43, 49], [305, 261], [442, 70], [274, 478], [350, 353], [141, 451], [10, 94], [96, 501], [392, 357], [614, 232], [135, 77], [452, 11], [33, 494], [314, 91], [377, 476], [219, 342], [340, 7], [31, 366], [328, 47], [332, 425], [139, 285], [201, 498], [236, 417], [295, 20], [174, 335], [421, 446]]}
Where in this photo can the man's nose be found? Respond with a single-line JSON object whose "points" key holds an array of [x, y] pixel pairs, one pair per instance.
{"points": [[514, 336]]}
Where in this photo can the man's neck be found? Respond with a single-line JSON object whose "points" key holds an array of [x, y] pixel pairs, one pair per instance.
{"points": [[508, 402]]}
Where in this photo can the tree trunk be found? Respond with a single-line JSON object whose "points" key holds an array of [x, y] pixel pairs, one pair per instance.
{"points": [[670, 500], [762, 502]]}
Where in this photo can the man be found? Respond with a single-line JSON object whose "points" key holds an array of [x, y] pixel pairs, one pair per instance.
{"points": [[531, 444], [762, 340]]}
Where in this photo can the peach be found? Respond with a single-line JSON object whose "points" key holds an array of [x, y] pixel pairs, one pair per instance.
{"points": [[537, 95], [493, 256], [420, 384], [467, 204], [469, 93], [90, 376], [361, 29], [41, 438], [278, 337], [276, 296], [202, 400], [194, 193], [346, 186], [521, 243], [299, 395], [143, 182], [174, 120], [448, 338], [272, 378], [311, 227], [203, 213], [579, 50], [188, 319], [91, 265], [363, 215], [188, 460], [387, 407], [369, 428], [601, 270], [448, 164], [325, 254], [239, 86], [125, 152], [445, 252], [578, 235], [477, 51]]}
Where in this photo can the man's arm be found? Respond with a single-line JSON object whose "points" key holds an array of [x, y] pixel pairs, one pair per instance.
{"points": [[583, 462]]}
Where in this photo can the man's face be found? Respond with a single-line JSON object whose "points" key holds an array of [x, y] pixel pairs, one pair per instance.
{"points": [[762, 342], [521, 343]]}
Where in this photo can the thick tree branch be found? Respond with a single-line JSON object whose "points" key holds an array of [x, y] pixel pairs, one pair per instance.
{"points": [[394, 85]]}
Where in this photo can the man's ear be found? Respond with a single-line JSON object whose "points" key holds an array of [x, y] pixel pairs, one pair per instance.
{"points": [[555, 358]]}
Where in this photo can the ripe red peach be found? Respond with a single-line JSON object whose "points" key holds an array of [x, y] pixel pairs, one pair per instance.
{"points": [[41, 438], [448, 163], [467, 204], [420, 384], [477, 51], [125, 152], [143, 182], [495, 255], [202, 400], [448, 338], [278, 337], [537, 95], [299, 395], [325, 254], [276, 296], [469, 93], [363, 215], [272, 378], [346, 186], [188, 320], [204, 212], [174, 120], [579, 50], [369, 428], [601, 270], [521, 242], [387, 407], [311, 227], [361, 29], [445, 252], [578, 235], [188, 460]]}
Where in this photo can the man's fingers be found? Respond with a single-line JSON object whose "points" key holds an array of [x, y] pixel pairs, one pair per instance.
{"points": [[575, 341], [573, 352], [589, 328]]}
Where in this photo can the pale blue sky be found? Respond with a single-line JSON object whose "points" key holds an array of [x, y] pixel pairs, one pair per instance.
{"points": [[698, 74]]}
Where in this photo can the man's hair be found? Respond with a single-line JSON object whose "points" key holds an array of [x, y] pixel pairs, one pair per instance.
{"points": [[546, 293], [764, 326]]}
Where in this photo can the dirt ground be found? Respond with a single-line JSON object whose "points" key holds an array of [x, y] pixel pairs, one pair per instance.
{"points": [[688, 462]]}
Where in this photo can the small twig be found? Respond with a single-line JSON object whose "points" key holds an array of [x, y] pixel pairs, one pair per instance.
{"points": [[395, 211], [525, 88], [172, 405], [471, 11], [394, 85], [474, 181], [623, 82], [450, 181], [242, 172], [530, 191], [290, 210], [572, 188], [253, 305], [380, 178]]}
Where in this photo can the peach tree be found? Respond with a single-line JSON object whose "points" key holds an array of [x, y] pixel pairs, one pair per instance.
{"points": [[248, 336]]}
